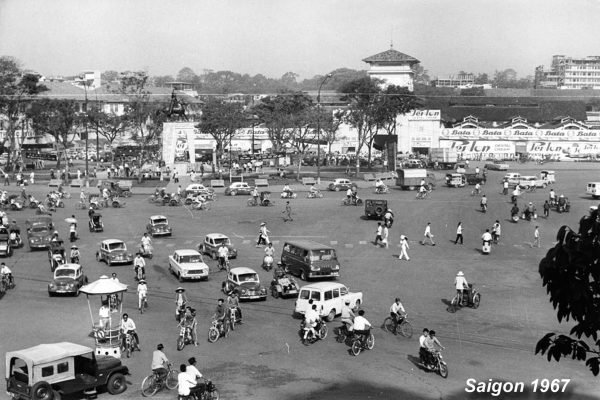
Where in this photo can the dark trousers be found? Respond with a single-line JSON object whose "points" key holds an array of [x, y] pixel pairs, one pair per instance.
{"points": [[459, 236], [546, 212]]}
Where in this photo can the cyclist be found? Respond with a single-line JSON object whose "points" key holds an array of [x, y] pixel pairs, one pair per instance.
{"points": [[142, 291], [461, 285], [128, 326], [159, 362], [139, 263], [347, 316], [234, 302], [223, 252], [477, 189], [422, 191], [379, 186], [397, 313], [146, 244], [6, 273], [361, 326]]}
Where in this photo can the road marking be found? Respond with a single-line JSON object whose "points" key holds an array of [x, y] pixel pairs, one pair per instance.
{"points": [[245, 241], [349, 245], [333, 242], [362, 242]]}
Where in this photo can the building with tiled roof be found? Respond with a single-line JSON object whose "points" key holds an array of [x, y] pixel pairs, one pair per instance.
{"points": [[392, 67]]}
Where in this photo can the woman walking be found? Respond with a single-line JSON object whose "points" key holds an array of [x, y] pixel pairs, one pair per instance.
{"points": [[459, 235]]}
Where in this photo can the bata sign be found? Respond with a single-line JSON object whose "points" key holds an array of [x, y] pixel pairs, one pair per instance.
{"points": [[520, 134]]}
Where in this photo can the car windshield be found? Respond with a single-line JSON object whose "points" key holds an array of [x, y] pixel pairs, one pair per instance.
{"points": [[116, 246], [219, 241], [39, 229], [322, 255], [64, 273], [190, 259], [250, 277], [159, 221]]}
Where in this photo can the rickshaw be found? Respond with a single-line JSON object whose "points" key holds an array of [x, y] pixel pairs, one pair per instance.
{"points": [[15, 236], [263, 200], [56, 254], [548, 176], [456, 180], [5, 247], [120, 188], [95, 223], [116, 203]]}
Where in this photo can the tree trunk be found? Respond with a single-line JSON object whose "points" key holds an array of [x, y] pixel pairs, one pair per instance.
{"points": [[299, 165], [369, 157]]}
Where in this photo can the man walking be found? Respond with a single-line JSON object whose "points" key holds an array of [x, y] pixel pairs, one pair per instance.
{"points": [[378, 233], [505, 187], [403, 248], [536, 237], [428, 235], [546, 209], [459, 235], [287, 212], [384, 237], [496, 231]]}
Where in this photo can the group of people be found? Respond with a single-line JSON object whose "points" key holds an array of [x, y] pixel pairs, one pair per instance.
{"points": [[190, 380]]}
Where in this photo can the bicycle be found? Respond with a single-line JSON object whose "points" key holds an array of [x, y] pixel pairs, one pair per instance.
{"points": [[153, 383], [423, 195], [359, 344], [403, 327], [531, 189], [143, 303], [476, 192]]}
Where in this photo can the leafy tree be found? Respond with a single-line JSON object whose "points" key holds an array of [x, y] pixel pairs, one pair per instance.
{"points": [[330, 123], [109, 76], [289, 79], [481, 79], [508, 79], [274, 112], [108, 125], [186, 74], [16, 89], [221, 120], [160, 81], [570, 272], [301, 122], [56, 118], [421, 75]]}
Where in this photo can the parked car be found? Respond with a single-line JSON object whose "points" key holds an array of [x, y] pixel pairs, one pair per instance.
{"points": [[548, 176], [197, 188], [120, 188], [329, 298], [68, 279], [375, 208], [308, 259], [114, 251], [47, 371], [412, 163], [456, 180], [38, 235], [593, 189], [341, 184], [532, 181], [211, 245], [188, 264], [497, 166], [159, 226], [246, 283], [238, 188]]}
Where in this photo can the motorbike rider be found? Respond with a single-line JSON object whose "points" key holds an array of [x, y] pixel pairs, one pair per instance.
{"points": [[483, 203], [189, 322], [223, 253], [138, 263], [185, 383], [347, 316], [263, 236], [146, 244], [388, 218], [313, 189], [180, 301], [128, 326], [515, 194], [349, 195], [423, 353], [233, 301], [278, 272], [379, 186], [220, 314], [487, 237], [496, 231], [552, 197], [431, 342], [461, 284], [142, 291], [361, 326], [397, 312], [477, 189], [530, 211], [286, 190], [73, 230], [196, 376], [311, 317], [74, 256], [159, 362], [6, 273]]}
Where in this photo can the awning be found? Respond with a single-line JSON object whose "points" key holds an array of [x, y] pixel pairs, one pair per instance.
{"points": [[380, 141]]}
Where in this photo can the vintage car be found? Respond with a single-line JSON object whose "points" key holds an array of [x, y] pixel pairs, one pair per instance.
{"points": [[340, 184], [283, 284], [532, 181], [473, 179], [159, 226], [412, 163], [456, 180], [68, 279], [120, 188], [375, 208], [198, 188], [329, 298], [38, 235], [48, 371], [188, 264], [513, 178], [39, 219], [548, 176], [495, 166], [211, 245], [246, 283], [238, 188], [5, 246], [593, 189], [114, 251], [56, 254]]}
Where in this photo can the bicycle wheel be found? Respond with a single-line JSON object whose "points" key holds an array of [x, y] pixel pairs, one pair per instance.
{"points": [[406, 329], [388, 324], [171, 381], [213, 334], [370, 342], [214, 395], [356, 347], [149, 386]]}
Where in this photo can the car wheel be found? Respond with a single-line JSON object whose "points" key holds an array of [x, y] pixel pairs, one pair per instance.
{"points": [[42, 391], [233, 193], [336, 188], [116, 384], [331, 316], [303, 275]]}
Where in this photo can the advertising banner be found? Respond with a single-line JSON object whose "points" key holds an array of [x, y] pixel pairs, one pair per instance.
{"points": [[567, 149], [521, 134], [481, 148], [178, 144]]}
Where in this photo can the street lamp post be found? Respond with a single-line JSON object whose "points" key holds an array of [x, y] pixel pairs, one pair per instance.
{"points": [[86, 131], [319, 128]]}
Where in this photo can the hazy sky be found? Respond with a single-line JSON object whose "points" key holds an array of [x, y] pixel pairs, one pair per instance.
{"points": [[304, 36]]}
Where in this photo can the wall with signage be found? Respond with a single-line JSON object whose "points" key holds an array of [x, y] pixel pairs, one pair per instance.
{"points": [[481, 149], [418, 129], [520, 134]]}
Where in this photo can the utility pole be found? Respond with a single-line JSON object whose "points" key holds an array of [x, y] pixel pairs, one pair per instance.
{"points": [[319, 128]]}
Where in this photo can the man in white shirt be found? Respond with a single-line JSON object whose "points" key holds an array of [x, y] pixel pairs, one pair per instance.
{"points": [[142, 291], [397, 312], [311, 316], [128, 326], [146, 244], [185, 381], [361, 325], [104, 315], [138, 263], [423, 353], [347, 316], [193, 372], [159, 361], [428, 235], [461, 284], [223, 252]]}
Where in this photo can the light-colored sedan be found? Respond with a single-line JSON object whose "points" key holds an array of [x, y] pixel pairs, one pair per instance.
{"points": [[188, 264]]}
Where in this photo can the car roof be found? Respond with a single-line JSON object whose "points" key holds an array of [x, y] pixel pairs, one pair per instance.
{"points": [[195, 184], [239, 184], [44, 353], [217, 236], [323, 285], [309, 245], [68, 266], [242, 270], [112, 241], [158, 217], [528, 177], [187, 252]]}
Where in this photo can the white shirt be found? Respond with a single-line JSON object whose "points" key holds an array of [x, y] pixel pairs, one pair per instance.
{"points": [[311, 316], [142, 290], [427, 230], [459, 230], [186, 382], [104, 312], [193, 372], [158, 358], [396, 307], [146, 240], [422, 339], [5, 270], [269, 251], [223, 251], [128, 325], [385, 232], [536, 234], [139, 261], [349, 192], [379, 230], [486, 237], [460, 282], [379, 183], [360, 323], [404, 243]]}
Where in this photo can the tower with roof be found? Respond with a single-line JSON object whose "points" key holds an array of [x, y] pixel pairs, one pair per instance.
{"points": [[392, 67]]}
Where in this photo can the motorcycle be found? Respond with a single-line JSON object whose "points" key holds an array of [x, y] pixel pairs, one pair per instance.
{"points": [[140, 273], [210, 392], [15, 241], [234, 317], [267, 263], [307, 335], [486, 247], [353, 201], [382, 189], [146, 252], [483, 207], [314, 195], [359, 343], [129, 344], [180, 312], [8, 281], [15, 206], [185, 337], [217, 330], [143, 303], [438, 364], [288, 195]]}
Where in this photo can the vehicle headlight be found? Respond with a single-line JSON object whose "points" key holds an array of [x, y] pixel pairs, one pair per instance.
{"points": [[336, 267], [313, 268], [51, 286], [243, 291], [263, 290]]}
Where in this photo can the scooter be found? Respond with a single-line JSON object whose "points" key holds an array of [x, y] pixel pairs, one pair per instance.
{"points": [[288, 195], [267, 263], [486, 248], [146, 252]]}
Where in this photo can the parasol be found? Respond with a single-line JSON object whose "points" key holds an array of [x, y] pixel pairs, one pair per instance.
{"points": [[70, 220]]}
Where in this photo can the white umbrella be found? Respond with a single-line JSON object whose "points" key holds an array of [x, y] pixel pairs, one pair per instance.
{"points": [[70, 220], [104, 285]]}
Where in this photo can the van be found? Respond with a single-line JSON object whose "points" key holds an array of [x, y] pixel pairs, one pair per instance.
{"points": [[308, 259], [329, 297], [593, 188]]}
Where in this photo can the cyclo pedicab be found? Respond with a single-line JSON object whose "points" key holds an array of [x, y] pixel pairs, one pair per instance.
{"points": [[95, 222], [56, 254], [470, 298], [263, 200]]}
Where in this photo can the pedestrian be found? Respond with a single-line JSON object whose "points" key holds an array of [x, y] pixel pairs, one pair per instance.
{"points": [[459, 235], [378, 234], [176, 177], [287, 212], [6, 179], [428, 235], [536, 237], [477, 171], [384, 237], [496, 231], [403, 248], [32, 177], [546, 209], [201, 169], [505, 187], [78, 174]]}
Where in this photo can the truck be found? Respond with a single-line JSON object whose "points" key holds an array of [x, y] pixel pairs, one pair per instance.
{"points": [[410, 178], [445, 158]]}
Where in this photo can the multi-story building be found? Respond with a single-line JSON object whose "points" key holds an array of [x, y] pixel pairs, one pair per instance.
{"points": [[393, 68], [570, 73], [454, 81]]}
